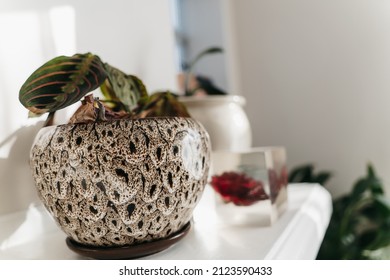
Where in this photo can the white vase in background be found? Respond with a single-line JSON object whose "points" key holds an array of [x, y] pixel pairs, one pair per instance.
{"points": [[224, 118]]}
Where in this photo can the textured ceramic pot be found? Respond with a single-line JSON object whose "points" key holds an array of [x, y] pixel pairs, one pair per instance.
{"points": [[123, 182]]}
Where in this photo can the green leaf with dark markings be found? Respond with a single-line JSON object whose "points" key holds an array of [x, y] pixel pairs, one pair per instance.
{"points": [[161, 104], [61, 82], [122, 90]]}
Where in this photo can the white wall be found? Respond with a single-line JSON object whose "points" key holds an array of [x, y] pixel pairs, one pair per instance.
{"points": [[133, 35], [316, 75], [136, 36]]}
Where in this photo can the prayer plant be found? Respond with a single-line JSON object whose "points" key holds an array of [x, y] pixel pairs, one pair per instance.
{"points": [[65, 80]]}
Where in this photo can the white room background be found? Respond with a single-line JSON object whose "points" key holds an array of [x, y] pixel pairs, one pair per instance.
{"points": [[315, 74]]}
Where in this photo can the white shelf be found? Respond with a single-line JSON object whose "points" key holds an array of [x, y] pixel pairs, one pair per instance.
{"points": [[298, 233]]}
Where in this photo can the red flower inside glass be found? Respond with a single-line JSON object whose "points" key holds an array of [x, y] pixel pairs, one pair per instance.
{"points": [[238, 188]]}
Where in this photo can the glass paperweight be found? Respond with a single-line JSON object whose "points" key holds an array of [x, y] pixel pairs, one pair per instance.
{"points": [[250, 186]]}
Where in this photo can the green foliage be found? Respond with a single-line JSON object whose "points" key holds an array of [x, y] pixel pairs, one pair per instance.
{"points": [[61, 82], [160, 104], [306, 174], [122, 90], [191, 64], [360, 222], [64, 80]]}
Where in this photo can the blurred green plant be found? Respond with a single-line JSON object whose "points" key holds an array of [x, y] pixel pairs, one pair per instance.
{"points": [[306, 174], [204, 83], [360, 224]]}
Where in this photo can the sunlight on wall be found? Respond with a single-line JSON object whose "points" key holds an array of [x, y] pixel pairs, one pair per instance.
{"points": [[63, 29], [24, 32], [29, 38]]}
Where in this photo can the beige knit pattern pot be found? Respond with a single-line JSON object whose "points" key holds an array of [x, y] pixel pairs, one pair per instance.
{"points": [[122, 182]]}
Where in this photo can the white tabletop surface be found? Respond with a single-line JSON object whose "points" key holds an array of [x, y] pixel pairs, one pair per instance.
{"points": [[297, 234]]}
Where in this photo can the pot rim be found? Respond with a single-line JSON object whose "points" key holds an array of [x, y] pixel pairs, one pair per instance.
{"points": [[212, 99], [116, 120]]}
